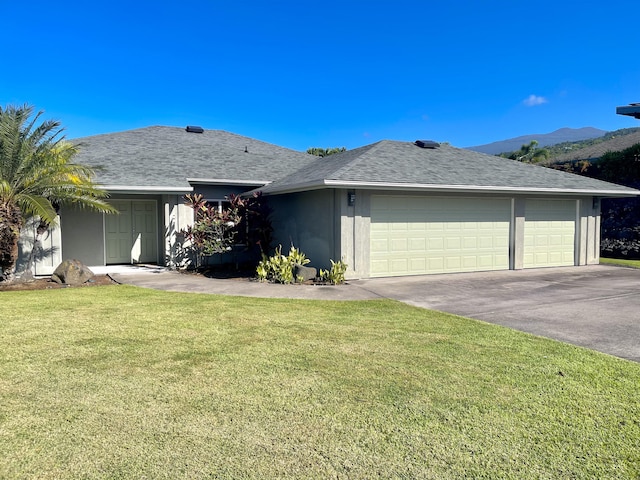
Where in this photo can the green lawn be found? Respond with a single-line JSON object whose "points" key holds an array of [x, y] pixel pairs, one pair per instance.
{"points": [[122, 382], [622, 262]]}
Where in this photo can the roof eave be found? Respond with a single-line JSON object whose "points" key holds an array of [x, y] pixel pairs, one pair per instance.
{"points": [[295, 188], [227, 181], [632, 110], [141, 189], [451, 189], [487, 189]]}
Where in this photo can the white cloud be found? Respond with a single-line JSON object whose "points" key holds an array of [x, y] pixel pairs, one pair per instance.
{"points": [[533, 100]]}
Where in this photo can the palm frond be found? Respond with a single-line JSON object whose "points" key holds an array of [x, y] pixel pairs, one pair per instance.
{"points": [[35, 205], [37, 169]]}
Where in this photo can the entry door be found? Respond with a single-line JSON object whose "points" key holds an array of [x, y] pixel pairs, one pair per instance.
{"points": [[132, 236]]}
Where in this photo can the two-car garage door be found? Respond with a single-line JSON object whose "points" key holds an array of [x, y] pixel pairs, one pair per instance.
{"points": [[413, 235], [417, 235]]}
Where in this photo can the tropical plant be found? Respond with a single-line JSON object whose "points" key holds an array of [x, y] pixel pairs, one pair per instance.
{"points": [[529, 153], [620, 217], [335, 275], [37, 175], [213, 231], [256, 221], [279, 268], [244, 221]]}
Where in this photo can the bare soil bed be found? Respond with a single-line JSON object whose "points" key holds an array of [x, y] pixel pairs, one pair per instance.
{"points": [[46, 284]]}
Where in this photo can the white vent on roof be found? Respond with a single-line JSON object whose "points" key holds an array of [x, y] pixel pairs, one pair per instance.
{"points": [[427, 144], [194, 129]]}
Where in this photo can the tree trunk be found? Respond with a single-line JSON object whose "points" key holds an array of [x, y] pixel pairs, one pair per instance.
{"points": [[10, 225]]}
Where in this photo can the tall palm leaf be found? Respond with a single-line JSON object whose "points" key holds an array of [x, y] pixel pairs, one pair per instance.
{"points": [[36, 173]]}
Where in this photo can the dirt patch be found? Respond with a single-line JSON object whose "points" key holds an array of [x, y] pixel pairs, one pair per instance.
{"points": [[246, 276], [48, 284], [222, 273]]}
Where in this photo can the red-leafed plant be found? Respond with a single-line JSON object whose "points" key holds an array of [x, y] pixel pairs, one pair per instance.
{"points": [[244, 221]]}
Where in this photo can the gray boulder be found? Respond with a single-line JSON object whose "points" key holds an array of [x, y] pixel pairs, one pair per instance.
{"points": [[72, 272], [304, 273]]}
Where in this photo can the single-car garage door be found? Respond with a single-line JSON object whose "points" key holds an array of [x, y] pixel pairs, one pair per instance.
{"points": [[418, 235], [549, 233]]}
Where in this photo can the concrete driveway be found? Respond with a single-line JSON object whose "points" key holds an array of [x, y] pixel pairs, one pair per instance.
{"points": [[597, 306]]}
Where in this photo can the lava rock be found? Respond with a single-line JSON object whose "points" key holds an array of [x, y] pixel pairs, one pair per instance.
{"points": [[72, 272], [304, 273]]}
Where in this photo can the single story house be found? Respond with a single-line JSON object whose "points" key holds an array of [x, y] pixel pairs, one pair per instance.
{"points": [[389, 208]]}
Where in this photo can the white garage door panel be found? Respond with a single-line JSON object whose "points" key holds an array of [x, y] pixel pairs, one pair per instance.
{"points": [[549, 233], [418, 235]]}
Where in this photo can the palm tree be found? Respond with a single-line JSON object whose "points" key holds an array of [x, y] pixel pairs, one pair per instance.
{"points": [[36, 177], [530, 153]]}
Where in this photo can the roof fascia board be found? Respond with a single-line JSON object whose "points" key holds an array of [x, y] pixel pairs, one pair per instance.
{"points": [[224, 181], [482, 188], [145, 189], [452, 189]]}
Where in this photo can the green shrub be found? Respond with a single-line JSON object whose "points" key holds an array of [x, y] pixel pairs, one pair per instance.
{"points": [[335, 275], [296, 257], [279, 268]]}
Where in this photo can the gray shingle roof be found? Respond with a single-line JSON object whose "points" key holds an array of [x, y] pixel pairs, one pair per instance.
{"points": [[404, 165], [157, 158], [165, 157]]}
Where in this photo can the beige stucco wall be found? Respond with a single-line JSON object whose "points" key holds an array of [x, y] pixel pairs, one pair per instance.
{"points": [[83, 236], [589, 241], [308, 221], [355, 223], [48, 254], [176, 217]]}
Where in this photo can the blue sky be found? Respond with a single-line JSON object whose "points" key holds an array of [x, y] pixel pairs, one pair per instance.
{"points": [[325, 73]]}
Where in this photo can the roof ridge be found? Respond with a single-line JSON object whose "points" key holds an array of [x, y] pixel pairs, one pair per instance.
{"points": [[365, 150], [207, 132]]}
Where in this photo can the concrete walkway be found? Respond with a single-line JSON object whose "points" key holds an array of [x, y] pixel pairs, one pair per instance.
{"points": [[161, 279], [594, 306]]}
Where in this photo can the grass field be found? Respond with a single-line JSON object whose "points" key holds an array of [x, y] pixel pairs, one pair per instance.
{"points": [[622, 262], [121, 382]]}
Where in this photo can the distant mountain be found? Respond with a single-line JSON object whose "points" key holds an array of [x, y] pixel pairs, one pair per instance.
{"points": [[544, 139]]}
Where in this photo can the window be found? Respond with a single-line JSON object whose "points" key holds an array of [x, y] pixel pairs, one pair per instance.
{"points": [[218, 204], [242, 229]]}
